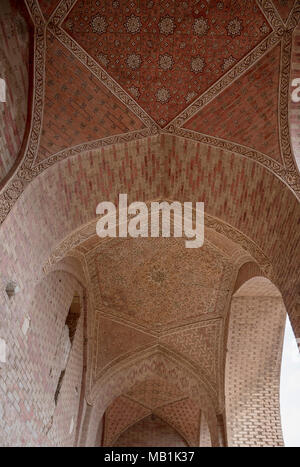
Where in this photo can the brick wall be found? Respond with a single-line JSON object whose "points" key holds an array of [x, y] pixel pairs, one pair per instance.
{"points": [[14, 69], [29, 378], [151, 431], [253, 371], [72, 189]]}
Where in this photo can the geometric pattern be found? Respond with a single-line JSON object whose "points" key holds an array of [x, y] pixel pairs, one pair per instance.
{"points": [[116, 339], [27, 172], [199, 344], [154, 392], [166, 54], [256, 91], [78, 108], [145, 281], [150, 432], [180, 382], [176, 339], [184, 416], [119, 415]]}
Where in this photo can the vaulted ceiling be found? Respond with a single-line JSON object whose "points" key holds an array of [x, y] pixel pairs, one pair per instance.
{"points": [[107, 72], [166, 54], [161, 99]]}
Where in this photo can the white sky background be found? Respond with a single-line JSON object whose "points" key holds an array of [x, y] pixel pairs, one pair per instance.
{"points": [[290, 389]]}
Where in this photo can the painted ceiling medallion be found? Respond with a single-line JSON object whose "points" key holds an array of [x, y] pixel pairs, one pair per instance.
{"points": [[133, 24], [201, 26], [198, 64], [152, 48], [157, 276], [235, 27], [99, 24], [167, 25]]}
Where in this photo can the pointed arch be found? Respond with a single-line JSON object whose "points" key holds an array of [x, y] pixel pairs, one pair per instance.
{"points": [[253, 361]]}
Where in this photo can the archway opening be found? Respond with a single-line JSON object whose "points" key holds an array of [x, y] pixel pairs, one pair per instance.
{"points": [[290, 388], [152, 431], [68, 338]]}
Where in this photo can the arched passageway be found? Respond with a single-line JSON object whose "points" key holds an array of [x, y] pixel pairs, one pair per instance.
{"points": [[156, 319]]}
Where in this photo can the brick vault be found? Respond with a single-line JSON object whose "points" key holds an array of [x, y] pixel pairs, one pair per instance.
{"points": [[141, 341]]}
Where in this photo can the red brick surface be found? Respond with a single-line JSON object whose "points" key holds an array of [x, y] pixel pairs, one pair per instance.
{"points": [[150, 432], [30, 234], [284, 7], [29, 379], [170, 52], [252, 391], [77, 107], [14, 69], [48, 7], [256, 91]]}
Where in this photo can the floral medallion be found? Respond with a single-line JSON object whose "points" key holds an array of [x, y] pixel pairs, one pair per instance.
{"points": [[197, 64], [99, 24], [134, 61], [201, 27], [133, 24], [166, 25], [166, 62], [163, 95], [234, 27]]}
